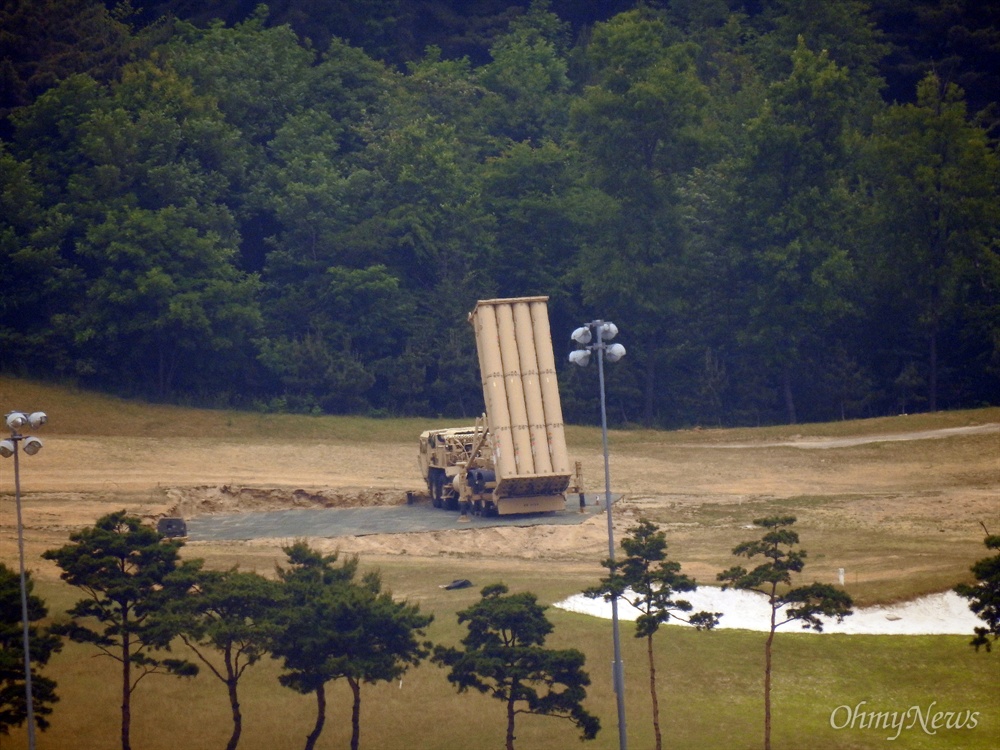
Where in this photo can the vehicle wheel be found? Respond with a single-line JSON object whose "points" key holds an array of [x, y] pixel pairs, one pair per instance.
{"points": [[436, 480]]}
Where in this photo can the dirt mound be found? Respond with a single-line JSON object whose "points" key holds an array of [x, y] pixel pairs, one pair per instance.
{"points": [[188, 502], [583, 543]]}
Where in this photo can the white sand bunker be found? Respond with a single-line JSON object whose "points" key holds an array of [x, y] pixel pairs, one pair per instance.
{"points": [[937, 614]]}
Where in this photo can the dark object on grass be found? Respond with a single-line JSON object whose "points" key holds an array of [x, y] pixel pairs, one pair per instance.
{"points": [[458, 583]]}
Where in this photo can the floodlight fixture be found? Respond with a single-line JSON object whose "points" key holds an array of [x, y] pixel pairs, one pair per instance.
{"points": [[16, 420], [608, 330], [7, 448], [614, 352], [37, 418], [582, 335], [32, 445], [580, 357]]}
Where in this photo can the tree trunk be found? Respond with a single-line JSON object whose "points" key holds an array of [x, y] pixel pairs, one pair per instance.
{"points": [[649, 405], [320, 717], [166, 366], [932, 385], [355, 713], [510, 720], [234, 703], [786, 382], [652, 693], [126, 686], [767, 677], [161, 373]]}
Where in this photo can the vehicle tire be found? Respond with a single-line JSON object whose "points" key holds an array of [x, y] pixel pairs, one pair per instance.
{"points": [[436, 480]]}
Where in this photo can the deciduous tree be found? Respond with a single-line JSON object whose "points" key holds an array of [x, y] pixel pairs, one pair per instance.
{"points": [[47, 41], [934, 177], [790, 210], [148, 295], [638, 126], [529, 74]]}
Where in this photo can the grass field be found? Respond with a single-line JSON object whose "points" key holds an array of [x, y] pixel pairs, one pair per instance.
{"points": [[903, 518]]}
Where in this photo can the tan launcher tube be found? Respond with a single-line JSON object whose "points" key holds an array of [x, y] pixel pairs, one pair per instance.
{"points": [[494, 392], [518, 370], [527, 353], [550, 388], [515, 390]]}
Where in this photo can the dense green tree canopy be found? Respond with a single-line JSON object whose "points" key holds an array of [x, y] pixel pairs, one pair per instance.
{"points": [[290, 207]]}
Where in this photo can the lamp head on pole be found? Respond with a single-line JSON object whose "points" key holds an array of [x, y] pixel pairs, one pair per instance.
{"points": [[604, 330], [614, 352], [16, 420], [582, 335]]}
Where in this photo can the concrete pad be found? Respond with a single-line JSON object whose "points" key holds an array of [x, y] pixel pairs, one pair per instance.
{"points": [[399, 519]]}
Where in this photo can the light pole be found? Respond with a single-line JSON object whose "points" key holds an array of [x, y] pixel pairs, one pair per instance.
{"points": [[16, 420], [594, 337]]}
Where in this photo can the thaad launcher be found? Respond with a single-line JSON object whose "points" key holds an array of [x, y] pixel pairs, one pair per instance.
{"points": [[514, 459]]}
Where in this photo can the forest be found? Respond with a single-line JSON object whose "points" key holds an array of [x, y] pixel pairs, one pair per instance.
{"points": [[790, 208]]}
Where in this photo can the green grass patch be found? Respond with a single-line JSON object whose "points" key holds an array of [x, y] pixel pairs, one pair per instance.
{"points": [[710, 685], [710, 688]]}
